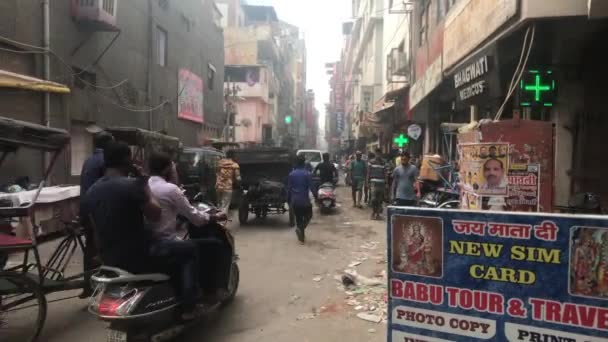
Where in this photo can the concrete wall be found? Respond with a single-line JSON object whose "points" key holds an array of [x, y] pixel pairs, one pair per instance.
{"points": [[193, 42]]}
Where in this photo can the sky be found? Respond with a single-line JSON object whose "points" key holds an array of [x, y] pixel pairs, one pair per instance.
{"points": [[321, 22]]}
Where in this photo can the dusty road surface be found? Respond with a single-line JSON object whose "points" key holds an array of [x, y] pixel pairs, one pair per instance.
{"points": [[288, 292]]}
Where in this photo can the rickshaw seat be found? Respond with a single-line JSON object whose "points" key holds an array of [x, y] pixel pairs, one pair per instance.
{"points": [[13, 242]]}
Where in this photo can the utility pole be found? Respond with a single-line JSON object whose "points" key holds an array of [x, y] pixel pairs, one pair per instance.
{"points": [[230, 95]]}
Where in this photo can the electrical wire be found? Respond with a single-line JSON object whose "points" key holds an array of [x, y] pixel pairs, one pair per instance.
{"points": [[514, 82], [22, 51], [146, 110], [54, 54]]}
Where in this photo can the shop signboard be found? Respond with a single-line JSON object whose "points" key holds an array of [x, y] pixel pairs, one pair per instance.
{"points": [[457, 275], [190, 96]]}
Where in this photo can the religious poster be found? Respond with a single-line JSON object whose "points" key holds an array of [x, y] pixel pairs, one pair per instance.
{"points": [[483, 168], [491, 276], [190, 96]]}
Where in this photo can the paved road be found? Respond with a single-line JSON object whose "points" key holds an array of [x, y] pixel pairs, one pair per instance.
{"points": [[288, 292]]}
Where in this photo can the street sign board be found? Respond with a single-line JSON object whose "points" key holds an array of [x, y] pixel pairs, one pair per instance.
{"points": [[458, 275], [414, 131]]}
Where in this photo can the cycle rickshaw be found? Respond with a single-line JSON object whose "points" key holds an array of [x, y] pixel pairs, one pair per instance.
{"points": [[25, 282]]}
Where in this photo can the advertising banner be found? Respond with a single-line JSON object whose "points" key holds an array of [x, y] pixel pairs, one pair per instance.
{"points": [[483, 168], [487, 276], [190, 96]]}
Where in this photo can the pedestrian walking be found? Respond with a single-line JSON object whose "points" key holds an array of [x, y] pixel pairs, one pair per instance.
{"points": [[405, 189], [376, 180], [228, 177], [298, 187], [358, 171]]}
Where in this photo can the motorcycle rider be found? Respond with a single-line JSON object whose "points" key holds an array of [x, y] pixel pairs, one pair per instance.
{"points": [[163, 184], [376, 180], [118, 207], [327, 170]]}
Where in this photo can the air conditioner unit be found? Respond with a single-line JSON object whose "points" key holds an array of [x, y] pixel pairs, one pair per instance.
{"points": [[399, 63], [96, 14]]}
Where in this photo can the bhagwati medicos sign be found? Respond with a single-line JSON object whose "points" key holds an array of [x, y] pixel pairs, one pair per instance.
{"points": [[489, 276], [469, 81]]}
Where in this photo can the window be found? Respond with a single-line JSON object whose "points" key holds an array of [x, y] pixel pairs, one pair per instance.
{"points": [[210, 76], [161, 46], [424, 22], [81, 147], [441, 9]]}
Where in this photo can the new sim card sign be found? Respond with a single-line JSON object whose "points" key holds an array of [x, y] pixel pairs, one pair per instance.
{"points": [[490, 276]]}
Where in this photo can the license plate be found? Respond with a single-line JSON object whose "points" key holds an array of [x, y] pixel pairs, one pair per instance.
{"points": [[117, 336]]}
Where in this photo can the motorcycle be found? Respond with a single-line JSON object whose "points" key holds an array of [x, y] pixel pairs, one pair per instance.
{"points": [[326, 197], [145, 307], [435, 196]]}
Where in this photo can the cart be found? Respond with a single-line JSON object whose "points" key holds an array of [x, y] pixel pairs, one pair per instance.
{"points": [[25, 282], [264, 174]]}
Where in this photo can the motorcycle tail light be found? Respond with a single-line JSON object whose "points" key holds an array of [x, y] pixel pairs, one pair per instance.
{"points": [[110, 305]]}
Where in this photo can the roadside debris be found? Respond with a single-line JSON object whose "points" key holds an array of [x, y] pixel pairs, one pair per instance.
{"points": [[306, 316], [317, 278], [368, 296], [369, 317]]}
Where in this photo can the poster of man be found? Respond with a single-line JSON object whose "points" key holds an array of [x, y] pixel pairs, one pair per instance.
{"points": [[484, 168], [417, 246]]}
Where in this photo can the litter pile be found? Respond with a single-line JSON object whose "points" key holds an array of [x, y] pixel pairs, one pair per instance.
{"points": [[367, 296]]}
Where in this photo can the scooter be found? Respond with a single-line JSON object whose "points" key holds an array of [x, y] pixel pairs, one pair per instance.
{"points": [[145, 307], [326, 197]]}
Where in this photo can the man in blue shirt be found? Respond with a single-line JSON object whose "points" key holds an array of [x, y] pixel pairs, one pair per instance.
{"points": [[92, 170], [298, 187]]}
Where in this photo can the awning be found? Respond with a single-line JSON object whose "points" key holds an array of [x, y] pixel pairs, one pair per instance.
{"points": [[388, 100], [13, 80]]}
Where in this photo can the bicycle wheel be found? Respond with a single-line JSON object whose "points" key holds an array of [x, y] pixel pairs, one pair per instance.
{"points": [[22, 308]]}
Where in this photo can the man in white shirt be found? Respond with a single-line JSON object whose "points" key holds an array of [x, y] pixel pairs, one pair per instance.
{"points": [[173, 202]]}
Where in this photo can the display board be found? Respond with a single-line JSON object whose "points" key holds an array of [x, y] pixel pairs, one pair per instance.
{"points": [[458, 275]]}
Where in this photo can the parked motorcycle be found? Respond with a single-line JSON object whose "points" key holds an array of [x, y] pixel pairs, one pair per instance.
{"points": [[434, 196], [145, 307], [326, 197]]}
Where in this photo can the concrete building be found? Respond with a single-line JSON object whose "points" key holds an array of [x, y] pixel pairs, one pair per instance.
{"points": [[363, 64], [157, 65], [476, 59], [274, 55]]}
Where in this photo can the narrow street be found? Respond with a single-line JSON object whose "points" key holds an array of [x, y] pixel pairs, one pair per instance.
{"points": [[288, 292]]}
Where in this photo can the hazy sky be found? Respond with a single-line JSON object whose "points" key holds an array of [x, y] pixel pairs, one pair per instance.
{"points": [[321, 21]]}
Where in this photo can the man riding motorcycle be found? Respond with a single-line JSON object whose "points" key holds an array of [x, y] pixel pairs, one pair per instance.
{"points": [[213, 259], [327, 170], [118, 207], [376, 180]]}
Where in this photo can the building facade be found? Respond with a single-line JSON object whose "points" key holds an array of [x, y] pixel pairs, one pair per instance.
{"points": [[496, 59], [156, 65], [274, 54]]}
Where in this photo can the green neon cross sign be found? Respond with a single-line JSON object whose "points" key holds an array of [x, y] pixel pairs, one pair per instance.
{"points": [[401, 140], [537, 88]]}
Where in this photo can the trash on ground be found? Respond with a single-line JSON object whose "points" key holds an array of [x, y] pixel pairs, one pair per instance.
{"points": [[358, 279], [371, 331], [306, 316], [317, 278], [369, 317], [354, 264]]}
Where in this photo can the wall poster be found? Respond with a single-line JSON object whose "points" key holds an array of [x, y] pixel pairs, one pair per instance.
{"points": [[190, 96]]}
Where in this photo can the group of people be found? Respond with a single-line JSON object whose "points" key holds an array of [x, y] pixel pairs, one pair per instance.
{"points": [[378, 177], [131, 222]]}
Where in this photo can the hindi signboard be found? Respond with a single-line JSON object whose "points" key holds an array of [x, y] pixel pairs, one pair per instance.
{"points": [[190, 96], [491, 276]]}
